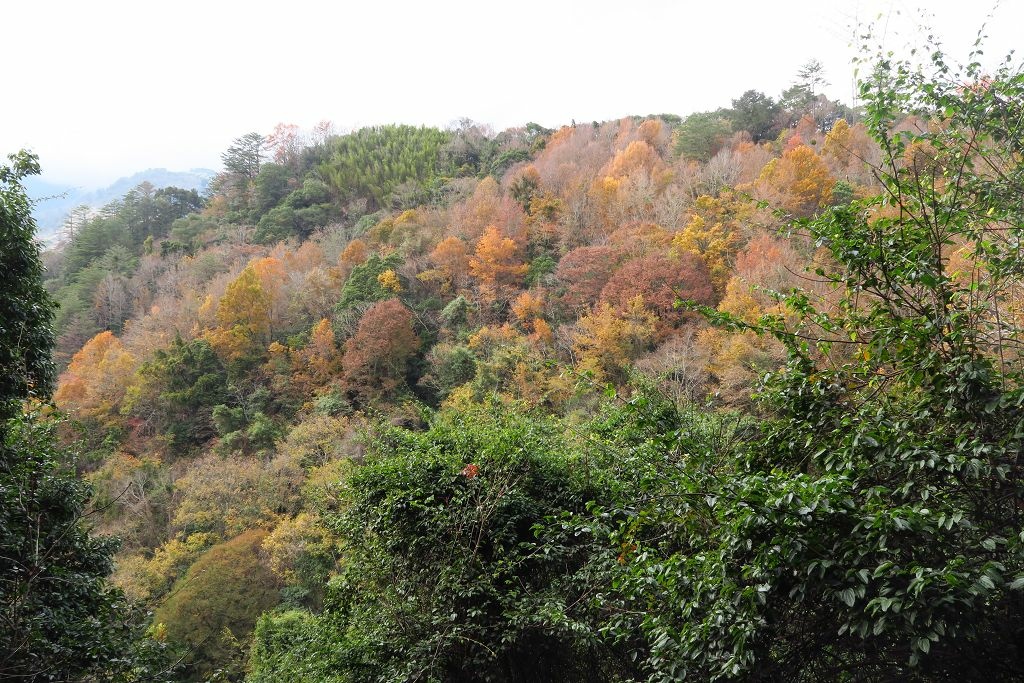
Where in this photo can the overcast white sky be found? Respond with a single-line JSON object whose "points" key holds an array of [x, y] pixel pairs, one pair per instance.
{"points": [[101, 89]]}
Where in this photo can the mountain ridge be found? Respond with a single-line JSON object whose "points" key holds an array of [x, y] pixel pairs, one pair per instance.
{"points": [[51, 202]]}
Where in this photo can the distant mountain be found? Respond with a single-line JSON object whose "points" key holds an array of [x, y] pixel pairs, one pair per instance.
{"points": [[53, 201]]}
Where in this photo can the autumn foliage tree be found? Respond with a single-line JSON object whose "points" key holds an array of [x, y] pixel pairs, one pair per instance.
{"points": [[451, 265], [377, 355], [801, 179], [243, 317], [714, 243], [496, 265], [582, 274], [661, 281], [95, 382], [609, 338], [320, 356]]}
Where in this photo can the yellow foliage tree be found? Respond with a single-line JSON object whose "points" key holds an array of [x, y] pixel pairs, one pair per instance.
{"points": [[389, 281], [320, 439], [607, 340], [714, 243], [838, 143], [227, 496], [739, 301], [146, 578], [243, 317]]}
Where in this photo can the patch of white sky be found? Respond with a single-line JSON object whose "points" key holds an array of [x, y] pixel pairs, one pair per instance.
{"points": [[103, 89]]}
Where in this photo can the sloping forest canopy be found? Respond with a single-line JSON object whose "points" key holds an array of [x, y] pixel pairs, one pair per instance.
{"points": [[730, 396]]}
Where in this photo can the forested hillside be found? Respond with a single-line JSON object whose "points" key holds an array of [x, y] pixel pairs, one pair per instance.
{"points": [[727, 396]]}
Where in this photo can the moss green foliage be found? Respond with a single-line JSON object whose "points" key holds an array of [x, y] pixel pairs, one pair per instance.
{"points": [[364, 284], [451, 366], [217, 602]]}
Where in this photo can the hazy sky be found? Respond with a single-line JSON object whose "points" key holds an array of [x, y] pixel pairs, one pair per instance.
{"points": [[101, 89]]}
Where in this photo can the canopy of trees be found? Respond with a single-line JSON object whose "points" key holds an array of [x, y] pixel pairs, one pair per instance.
{"points": [[731, 396]]}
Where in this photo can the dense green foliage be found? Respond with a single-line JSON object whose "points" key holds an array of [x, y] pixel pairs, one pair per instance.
{"points": [[443, 576], [701, 135], [374, 162], [180, 388], [26, 311], [300, 213], [60, 619]]}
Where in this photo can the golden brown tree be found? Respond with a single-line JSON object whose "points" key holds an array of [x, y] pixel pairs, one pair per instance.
{"points": [[799, 181], [94, 384], [497, 266], [608, 339]]}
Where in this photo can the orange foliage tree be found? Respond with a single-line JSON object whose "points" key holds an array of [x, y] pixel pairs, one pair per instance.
{"points": [[497, 266], [95, 381], [638, 156], [451, 264], [800, 179], [838, 143], [355, 252], [319, 361]]}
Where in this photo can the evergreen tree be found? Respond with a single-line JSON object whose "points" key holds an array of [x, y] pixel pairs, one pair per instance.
{"points": [[59, 618]]}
